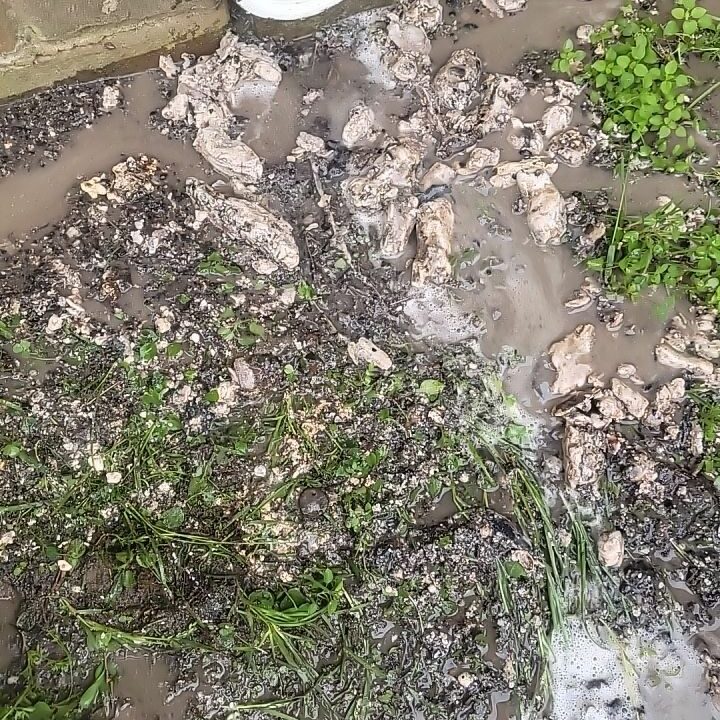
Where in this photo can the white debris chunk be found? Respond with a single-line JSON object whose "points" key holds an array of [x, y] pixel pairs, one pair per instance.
{"points": [[307, 144], [218, 84], [168, 67], [399, 223], [94, 187], [435, 224], [437, 174], [505, 174], [408, 38], [426, 14], [546, 215], [556, 119], [111, 97], [637, 405], [500, 7], [455, 83], [478, 159], [359, 126], [177, 109], [113, 478], [584, 456], [248, 222], [366, 352], [565, 358], [373, 186], [232, 158], [667, 355], [611, 549]]}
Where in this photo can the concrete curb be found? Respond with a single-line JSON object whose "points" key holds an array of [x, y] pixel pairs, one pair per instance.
{"points": [[43, 41]]}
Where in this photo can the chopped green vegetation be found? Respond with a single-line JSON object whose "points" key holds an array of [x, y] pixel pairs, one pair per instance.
{"points": [[639, 77], [34, 703], [664, 248], [708, 415]]}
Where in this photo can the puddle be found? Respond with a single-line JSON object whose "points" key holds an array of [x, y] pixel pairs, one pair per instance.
{"points": [[501, 42], [10, 640], [520, 291], [144, 689], [88, 152]]}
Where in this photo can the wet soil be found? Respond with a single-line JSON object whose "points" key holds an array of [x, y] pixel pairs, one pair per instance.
{"points": [[155, 507]]}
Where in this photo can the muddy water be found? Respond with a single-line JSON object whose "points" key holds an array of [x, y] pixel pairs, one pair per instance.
{"points": [[520, 294], [144, 689], [501, 42], [10, 640], [89, 152]]}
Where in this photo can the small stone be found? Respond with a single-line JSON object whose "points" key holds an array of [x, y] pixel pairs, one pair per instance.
{"points": [[584, 33], [55, 322], [64, 566], [111, 97], [611, 549], [113, 478], [96, 462], [465, 679], [313, 502], [366, 352], [162, 325], [264, 266], [571, 147], [287, 296], [242, 374], [359, 126], [636, 404]]}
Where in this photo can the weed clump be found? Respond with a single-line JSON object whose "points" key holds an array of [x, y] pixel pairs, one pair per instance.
{"points": [[639, 78], [665, 248]]}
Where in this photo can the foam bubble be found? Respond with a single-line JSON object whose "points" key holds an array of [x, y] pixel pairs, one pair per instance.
{"points": [[599, 676], [435, 315]]}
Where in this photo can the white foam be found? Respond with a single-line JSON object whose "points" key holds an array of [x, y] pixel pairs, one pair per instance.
{"points": [[598, 676], [435, 315]]}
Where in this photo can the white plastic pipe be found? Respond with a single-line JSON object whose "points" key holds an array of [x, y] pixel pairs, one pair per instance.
{"points": [[286, 9]]}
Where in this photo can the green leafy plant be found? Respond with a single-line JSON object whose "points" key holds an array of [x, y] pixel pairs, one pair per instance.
{"points": [[663, 249], [32, 703], [639, 79], [277, 618], [708, 415]]}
